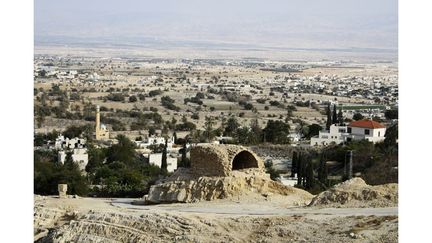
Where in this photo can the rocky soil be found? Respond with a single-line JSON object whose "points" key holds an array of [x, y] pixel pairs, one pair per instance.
{"points": [[355, 193], [96, 220], [349, 212]]}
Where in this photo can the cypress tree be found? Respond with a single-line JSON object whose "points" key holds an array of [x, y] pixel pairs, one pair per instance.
{"points": [[340, 117], [322, 171], [329, 119], [303, 169], [164, 164], [294, 168], [299, 169], [310, 175], [68, 160], [334, 119], [184, 161]]}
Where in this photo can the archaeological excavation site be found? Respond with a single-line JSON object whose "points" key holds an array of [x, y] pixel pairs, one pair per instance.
{"points": [[219, 172]]}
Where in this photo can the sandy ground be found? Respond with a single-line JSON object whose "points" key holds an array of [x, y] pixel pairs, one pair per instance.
{"points": [[117, 220]]}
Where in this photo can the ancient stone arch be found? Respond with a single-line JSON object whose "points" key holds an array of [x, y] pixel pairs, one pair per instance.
{"points": [[221, 160], [244, 160]]}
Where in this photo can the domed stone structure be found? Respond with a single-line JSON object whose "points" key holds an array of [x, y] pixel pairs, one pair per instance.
{"points": [[221, 160]]}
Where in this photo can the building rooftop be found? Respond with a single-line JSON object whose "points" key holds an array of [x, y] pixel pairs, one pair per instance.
{"points": [[366, 124]]}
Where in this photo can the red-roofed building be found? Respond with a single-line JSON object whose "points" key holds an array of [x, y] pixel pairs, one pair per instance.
{"points": [[356, 130], [366, 124], [366, 129]]}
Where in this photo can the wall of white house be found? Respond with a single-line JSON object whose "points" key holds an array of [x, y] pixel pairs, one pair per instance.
{"points": [[338, 136], [156, 159]]}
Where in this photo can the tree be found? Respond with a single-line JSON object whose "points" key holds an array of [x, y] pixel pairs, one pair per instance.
{"points": [[231, 126], [310, 180], [133, 98], [313, 130], [340, 117], [274, 175], [123, 151], [152, 131], [73, 131], [294, 164], [358, 116], [300, 166], [276, 132], [48, 174], [256, 130], [290, 110], [168, 103], [329, 120], [391, 136], [68, 160], [391, 114], [322, 170], [208, 125], [40, 119], [164, 164], [155, 92], [334, 118], [96, 158], [184, 162]]}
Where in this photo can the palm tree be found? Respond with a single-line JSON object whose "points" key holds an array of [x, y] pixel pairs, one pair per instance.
{"points": [[209, 122]]}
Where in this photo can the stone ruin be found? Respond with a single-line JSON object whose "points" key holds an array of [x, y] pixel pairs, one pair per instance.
{"points": [[222, 160], [217, 172], [62, 190]]}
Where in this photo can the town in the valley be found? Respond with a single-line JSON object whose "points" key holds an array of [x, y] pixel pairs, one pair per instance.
{"points": [[168, 105], [203, 144]]}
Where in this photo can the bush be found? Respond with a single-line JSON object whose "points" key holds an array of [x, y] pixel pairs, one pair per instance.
{"points": [[133, 98], [155, 93], [358, 116], [116, 97]]}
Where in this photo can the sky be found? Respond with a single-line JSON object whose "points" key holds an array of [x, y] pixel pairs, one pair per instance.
{"points": [[271, 23]]}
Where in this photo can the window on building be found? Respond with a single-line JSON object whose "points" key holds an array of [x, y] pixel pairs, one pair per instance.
{"points": [[379, 134], [367, 131], [341, 130], [349, 130]]}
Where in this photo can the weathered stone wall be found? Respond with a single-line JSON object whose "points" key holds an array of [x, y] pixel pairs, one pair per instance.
{"points": [[211, 188], [217, 160]]}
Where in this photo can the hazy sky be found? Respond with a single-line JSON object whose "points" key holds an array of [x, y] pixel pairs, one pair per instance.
{"points": [[275, 23]]}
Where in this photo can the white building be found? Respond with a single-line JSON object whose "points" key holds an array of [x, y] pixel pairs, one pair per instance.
{"points": [[156, 159], [366, 129], [65, 143], [155, 140], [334, 135], [79, 156], [294, 137], [357, 130]]}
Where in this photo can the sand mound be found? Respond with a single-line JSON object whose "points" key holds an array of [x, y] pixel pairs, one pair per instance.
{"points": [[184, 187], [356, 193]]}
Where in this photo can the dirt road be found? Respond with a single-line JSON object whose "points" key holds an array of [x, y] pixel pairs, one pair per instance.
{"points": [[242, 209]]}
